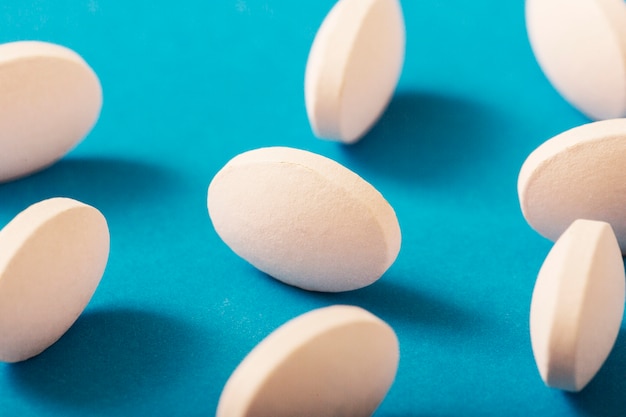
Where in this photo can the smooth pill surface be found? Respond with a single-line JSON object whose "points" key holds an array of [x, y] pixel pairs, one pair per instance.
{"points": [[578, 174], [337, 361], [353, 67], [49, 101], [577, 305], [52, 257], [581, 47], [304, 219]]}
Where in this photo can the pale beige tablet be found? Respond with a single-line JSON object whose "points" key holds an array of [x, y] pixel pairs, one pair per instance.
{"points": [[581, 47], [304, 219], [578, 174], [577, 305], [353, 67], [49, 101], [334, 361], [52, 257]]}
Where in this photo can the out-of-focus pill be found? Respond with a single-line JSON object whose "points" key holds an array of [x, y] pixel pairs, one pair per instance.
{"points": [[577, 305], [334, 361], [353, 67], [578, 174], [52, 257], [581, 47], [304, 219], [49, 101]]}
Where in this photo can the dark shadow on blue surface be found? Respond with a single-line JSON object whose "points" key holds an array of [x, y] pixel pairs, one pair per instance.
{"points": [[110, 358], [427, 137], [103, 182], [390, 300], [605, 395]]}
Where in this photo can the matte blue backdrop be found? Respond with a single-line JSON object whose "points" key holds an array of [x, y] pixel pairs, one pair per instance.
{"points": [[187, 86]]}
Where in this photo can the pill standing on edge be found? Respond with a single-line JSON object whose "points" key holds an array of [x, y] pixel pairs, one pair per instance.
{"points": [[353, 67], [581, 48], [304, 219], [334, 361], [52, 257], [49, 101], [577, 305], [578, 174]]}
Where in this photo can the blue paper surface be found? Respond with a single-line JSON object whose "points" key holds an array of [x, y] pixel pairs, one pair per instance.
{"points": [[189, 85]]}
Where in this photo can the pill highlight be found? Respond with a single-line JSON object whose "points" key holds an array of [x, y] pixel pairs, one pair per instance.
{"points": [[578, 174], [334, 361], [50, 99], [353, 67], [581, 48], [577, 305], [52, 257], [304, 219]]}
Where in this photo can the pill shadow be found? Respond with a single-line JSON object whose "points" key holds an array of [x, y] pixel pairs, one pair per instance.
{"points": [[605, 395], [111, 357], [107, 183], [426, 137], [392, 300]]}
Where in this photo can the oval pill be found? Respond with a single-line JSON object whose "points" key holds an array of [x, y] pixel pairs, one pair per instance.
{"points": [[49, 101], [353, 67], [581, 47], [52, 257], [577, 305], [578, 174], [334, 361], [304, 219]]}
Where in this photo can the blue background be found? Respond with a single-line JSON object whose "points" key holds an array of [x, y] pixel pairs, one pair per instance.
{"points": [[190, 84]]}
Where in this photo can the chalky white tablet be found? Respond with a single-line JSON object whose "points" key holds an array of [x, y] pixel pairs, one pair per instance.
{"points": [[353, 67], [577, 305], [581, 47], [334, 361], [578, 174], [304, 219], [49, 101], [52, 257]]}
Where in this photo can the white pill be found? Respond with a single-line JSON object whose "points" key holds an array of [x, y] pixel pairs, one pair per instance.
{"points": [[353, 67], [577, 305], [49, 101], [581, 47], [304, 219], [578, 174], [334, 361], [52, 257]]}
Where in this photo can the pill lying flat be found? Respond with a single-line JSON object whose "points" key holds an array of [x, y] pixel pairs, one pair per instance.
{"points": [[49, 101], [334, 361], [581, 47], [578, 174], [577, 305], [353, 67], [52, 257], [304, 219]]}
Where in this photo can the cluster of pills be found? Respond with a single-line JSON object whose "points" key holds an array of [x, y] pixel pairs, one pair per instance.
{"points": [[311, 223], [572, 190], [302, 218], [53, 254]]}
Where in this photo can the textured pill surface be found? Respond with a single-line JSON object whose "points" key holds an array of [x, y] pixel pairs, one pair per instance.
{"points": [[304, 219], [331, 362], [578, 174], [52, 257], [353, 67], [577, 305], [581, 47], [49, 101]]}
